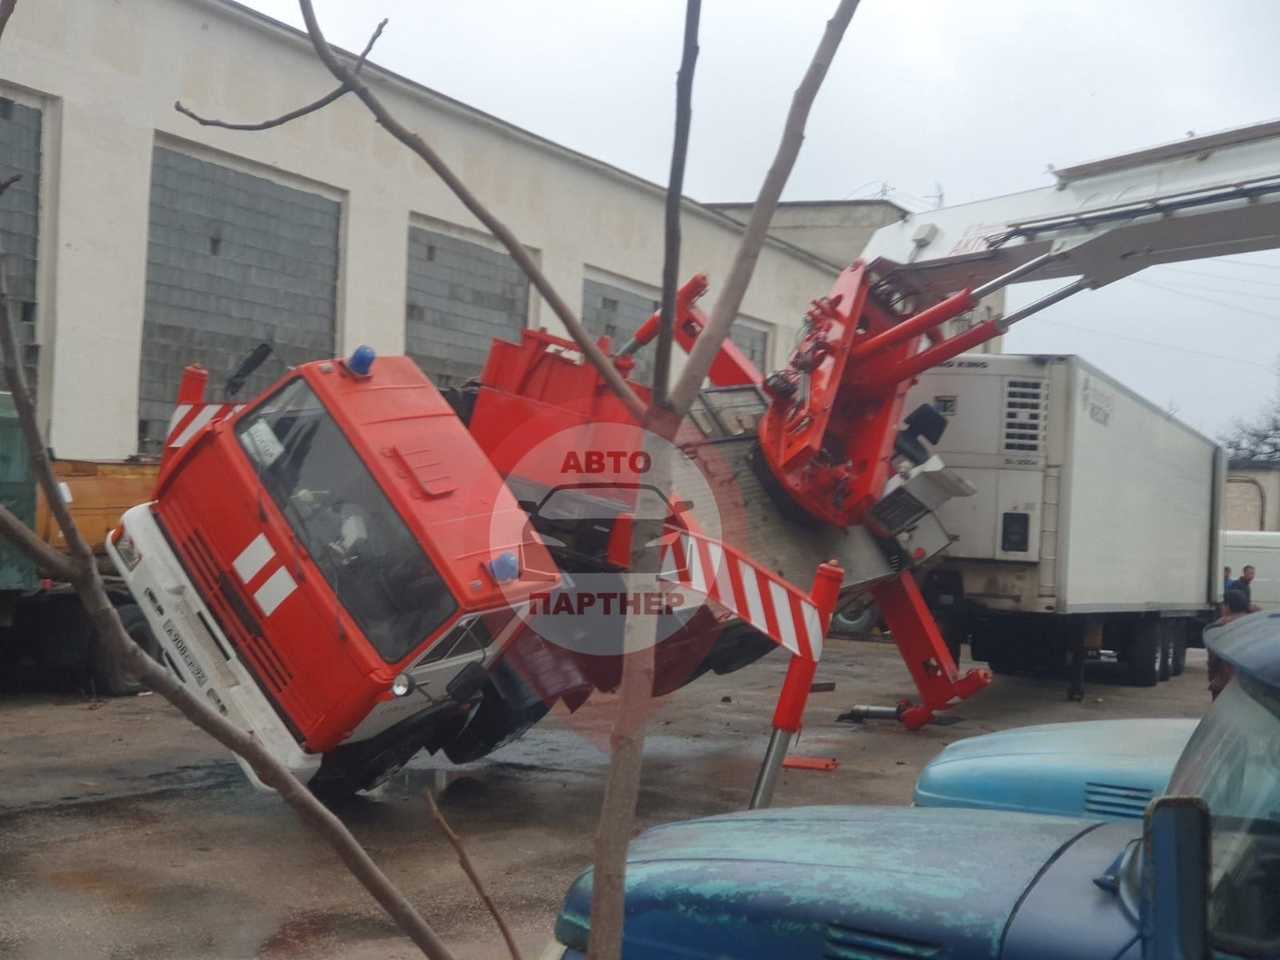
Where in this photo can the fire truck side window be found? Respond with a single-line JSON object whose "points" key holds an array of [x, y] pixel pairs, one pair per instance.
{"points": [[376, 568]]}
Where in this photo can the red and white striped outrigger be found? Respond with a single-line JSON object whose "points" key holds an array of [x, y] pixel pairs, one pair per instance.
{"points": [[192, 414], [794, 620]]}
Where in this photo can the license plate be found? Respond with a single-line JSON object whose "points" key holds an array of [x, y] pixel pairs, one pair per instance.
{"points": [[185, 652]]}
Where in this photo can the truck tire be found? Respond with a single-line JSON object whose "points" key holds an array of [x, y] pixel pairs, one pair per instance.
{"points": [[953, 634], [1178, 649], [111, 675], [1144, 654]]}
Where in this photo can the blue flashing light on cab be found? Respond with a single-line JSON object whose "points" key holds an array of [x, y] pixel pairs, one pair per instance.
{"points": [[361, 360]]}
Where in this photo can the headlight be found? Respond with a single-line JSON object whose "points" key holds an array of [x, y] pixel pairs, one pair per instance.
{"points": [[402, 685], [125, 548]]}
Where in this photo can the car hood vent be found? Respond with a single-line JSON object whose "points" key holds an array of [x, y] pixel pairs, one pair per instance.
{"points": [[846, 943], [1116, 800]]}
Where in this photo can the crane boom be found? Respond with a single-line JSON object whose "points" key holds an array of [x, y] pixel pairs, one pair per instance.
{"points": [[1202, 197]]}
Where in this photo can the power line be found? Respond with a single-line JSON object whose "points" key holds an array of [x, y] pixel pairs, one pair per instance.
{"points": [[1217, 303], [1218, 276], [1161, 344], [1228, 292], [1248, 263]]}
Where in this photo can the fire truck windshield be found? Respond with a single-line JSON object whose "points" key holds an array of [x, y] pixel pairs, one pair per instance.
{"points": [[376, 568]]}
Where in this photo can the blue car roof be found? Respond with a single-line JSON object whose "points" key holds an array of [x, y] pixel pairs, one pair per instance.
{"points": [[1251, 645]]}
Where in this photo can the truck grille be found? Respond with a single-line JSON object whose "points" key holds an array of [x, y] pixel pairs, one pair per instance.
{"points": [[846, 943], [1024, 415], [1115, 800], [228, 606], [898, 511]]}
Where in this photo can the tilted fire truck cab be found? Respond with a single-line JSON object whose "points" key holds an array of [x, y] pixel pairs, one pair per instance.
{"points": [[324, 565]]}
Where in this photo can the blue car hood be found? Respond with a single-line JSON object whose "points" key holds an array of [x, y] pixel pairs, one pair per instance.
{"points": [[1100, 768], [827, 881]]}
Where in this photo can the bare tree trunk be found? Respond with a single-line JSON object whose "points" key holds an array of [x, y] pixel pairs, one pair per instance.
{"points": [[675, 194], [626, 743], [744, 262], [482, 213]]}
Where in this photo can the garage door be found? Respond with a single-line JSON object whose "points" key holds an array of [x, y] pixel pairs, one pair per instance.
{"points": [[20, 133], [461, 296], [233, 260]]}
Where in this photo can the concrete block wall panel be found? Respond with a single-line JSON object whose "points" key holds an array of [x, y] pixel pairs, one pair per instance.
{"points": [[461, 295], [233, 260], [609, 311], [20, 153]]}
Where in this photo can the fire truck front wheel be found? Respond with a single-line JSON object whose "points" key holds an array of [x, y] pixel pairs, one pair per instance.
{"points": [[111, 675]]}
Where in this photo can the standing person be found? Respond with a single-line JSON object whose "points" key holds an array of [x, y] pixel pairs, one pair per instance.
{"points": [[1226, 581], [1237, 605], [1245, 585]]}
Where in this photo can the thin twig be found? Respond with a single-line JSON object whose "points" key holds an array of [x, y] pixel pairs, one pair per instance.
{"points": [[744, 262], [48, 560], [279, 121], [608, 372], [675, 192], [469, 869], [8, 182]]}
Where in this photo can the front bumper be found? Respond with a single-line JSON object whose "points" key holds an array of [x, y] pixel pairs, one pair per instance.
{"points": [[195, 648]]}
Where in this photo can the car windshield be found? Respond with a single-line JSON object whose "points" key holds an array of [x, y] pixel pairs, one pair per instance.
{"points": [[1233, 762], [337, 510]]}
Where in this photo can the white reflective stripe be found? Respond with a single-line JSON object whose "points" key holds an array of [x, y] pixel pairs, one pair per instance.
{"points": [[180, 411], [720, 570], [813, 626], [253, 558], [275, 591], [198, 421], [697, 579], [751, 588], [782, 607]]}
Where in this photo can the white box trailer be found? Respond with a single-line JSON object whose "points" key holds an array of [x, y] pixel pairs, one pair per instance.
{"points": [[1096, 516]]}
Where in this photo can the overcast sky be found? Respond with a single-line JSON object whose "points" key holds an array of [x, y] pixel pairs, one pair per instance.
{"points": [[977, 96]]}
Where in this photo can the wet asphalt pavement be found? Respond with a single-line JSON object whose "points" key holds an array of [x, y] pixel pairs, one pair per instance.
{"points": [[126, 834]]}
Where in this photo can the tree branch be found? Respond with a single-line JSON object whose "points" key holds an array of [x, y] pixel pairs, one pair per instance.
{"points": [[469, 869], [608, 372], [47, 559], [81, 571], [626, 748], [675, 192], [280, 121], [744, 261]]}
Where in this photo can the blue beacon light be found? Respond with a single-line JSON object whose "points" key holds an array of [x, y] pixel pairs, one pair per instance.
{"points": [[361, 360]]}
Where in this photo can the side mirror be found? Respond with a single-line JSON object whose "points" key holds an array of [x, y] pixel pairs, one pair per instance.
{"points": [[1175, 880]]}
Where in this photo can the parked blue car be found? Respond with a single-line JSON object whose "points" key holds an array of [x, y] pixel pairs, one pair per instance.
{"points": [[895, 883], [1099, 768]]}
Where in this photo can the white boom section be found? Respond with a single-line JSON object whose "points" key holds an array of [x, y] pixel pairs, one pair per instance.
{"points": [[1201, 197]]}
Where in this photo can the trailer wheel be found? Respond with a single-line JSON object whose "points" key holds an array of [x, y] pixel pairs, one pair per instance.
{"points": [[1166, 649], [111, 675], [1178, 653], [1145, 654]]}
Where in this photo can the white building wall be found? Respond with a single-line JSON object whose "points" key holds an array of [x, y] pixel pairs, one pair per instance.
{"points": [[107, 75]]}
